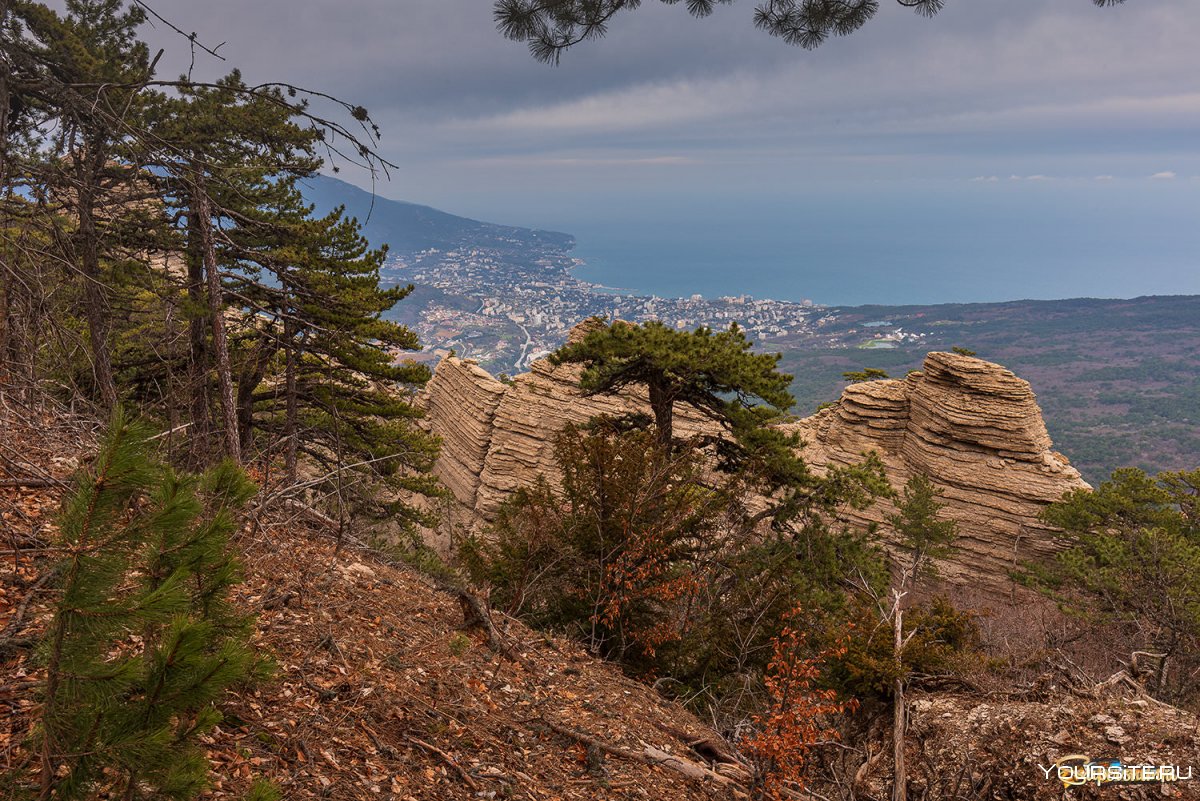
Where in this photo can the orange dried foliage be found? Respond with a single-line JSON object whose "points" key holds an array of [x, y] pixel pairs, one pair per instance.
{"points": [[797, 718], [642, 574]]}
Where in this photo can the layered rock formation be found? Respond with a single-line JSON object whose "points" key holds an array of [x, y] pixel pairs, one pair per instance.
{"points": [[498, 437], [976, 430], [973, 427]]}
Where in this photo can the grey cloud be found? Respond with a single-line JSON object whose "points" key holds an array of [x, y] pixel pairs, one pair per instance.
{"points": [[663, 91]]}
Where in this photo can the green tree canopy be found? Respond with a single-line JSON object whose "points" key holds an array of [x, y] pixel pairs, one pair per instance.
{"points": [[550, 27], [925, 534], [1134, 564], [652, 561], [869, 374], [714, 372]]}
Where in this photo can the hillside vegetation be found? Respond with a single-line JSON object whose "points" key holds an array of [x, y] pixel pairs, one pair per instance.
{"points": [[1118, 380], [378, 687]]}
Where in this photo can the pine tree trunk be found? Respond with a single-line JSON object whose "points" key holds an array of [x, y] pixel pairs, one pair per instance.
{"points": [[7, 350], [7, 367], [95, 300], [216, 308], [664, 413], [290, 391], [5, 99], [198, 349], [248, 381], [18, 351]]}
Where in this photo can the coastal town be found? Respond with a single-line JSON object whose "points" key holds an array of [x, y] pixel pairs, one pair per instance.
{"points": [[505, 309]]}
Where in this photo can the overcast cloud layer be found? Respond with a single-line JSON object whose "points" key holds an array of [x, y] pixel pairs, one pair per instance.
{"points": [[1057, 88], [1067, 131]]}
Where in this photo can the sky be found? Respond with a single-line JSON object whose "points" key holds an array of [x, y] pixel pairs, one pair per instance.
{"points": [[1052, 106]]}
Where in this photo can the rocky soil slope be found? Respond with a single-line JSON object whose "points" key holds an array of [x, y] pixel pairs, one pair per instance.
{"points": [[379, 691], [965, 746]]}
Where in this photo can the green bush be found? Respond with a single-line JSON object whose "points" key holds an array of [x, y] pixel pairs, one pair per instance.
{"points": [[655, 562], [941, 642], [1133, 567], [604, 557]]}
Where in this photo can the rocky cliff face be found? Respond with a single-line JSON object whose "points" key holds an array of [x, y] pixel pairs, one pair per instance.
{"points": [[973, 427], [498, 437], [976, 430]]}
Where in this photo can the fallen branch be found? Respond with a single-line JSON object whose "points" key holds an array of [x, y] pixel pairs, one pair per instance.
{"points": [[169, 432], [477, 615], [462, 774], [693, 770], [311, 514], [710, 749], [594, 742], [1122, 679], [29, 482], [15, 622], [382, 747], [650, 756]]}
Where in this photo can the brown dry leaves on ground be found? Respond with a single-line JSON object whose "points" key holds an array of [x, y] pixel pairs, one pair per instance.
{"points": [[378, 692], [39, 449]]}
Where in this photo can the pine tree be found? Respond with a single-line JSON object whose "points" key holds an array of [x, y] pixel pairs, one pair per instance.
{"points": [[1133, 567], [228, 150], [143, 641], [715, 373], [923, 530], [869, 374], [550, 28], [96, 54], [718, 375], [346, 399], [309, 334], [616, 553]]}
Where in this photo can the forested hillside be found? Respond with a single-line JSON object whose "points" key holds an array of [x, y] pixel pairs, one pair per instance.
{"points": [[1116, 379], [408, 228]]}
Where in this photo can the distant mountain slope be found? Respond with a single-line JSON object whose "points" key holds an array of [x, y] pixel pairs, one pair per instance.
{"points": [[409, 228], [1118, 380]]}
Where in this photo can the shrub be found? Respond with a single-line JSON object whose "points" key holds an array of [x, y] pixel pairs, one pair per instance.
{"points": [[655, 562], [797, 717], [606, 556], [940, 642], [1133, 566]]}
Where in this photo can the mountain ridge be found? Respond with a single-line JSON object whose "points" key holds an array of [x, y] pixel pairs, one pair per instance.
{"points": [[408, 228]]}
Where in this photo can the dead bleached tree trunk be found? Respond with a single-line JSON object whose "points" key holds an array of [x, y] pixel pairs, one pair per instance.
{"points": [[899, 779], [229, 420]]}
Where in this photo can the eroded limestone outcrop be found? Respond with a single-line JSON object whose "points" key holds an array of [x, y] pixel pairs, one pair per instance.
{"points": [[499, 437], [460, 401], [972, 426], [976, 430]]}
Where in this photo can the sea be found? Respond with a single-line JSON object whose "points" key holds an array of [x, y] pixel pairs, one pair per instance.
{"points": [[893, 249]]}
